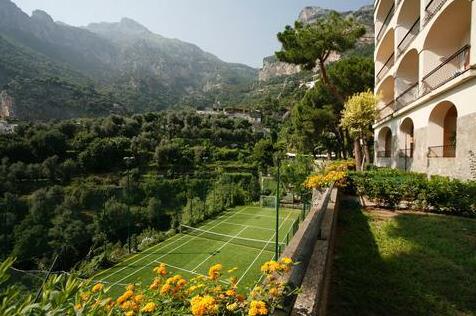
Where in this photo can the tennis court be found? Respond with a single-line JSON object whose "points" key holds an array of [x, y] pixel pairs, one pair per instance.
{"points": [[241, 238]]}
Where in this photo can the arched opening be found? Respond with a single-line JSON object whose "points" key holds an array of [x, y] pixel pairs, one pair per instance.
{"points": [[442, 131], [385, 11], [446, 49], [385, 57], [408, 25], [385, 143], [407, 75], [386, 92], [407, 141]]}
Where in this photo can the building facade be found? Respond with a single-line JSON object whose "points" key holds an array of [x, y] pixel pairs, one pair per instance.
{"points": [[425, 74]]}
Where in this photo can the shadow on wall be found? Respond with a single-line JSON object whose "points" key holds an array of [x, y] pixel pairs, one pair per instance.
{"points": [[403, 264]]}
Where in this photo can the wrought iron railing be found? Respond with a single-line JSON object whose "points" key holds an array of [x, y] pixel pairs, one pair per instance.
{"points": [[408, 38], [386, 111], [408, 96], [448, 151], [432, 9], [450, 68], [385, 68], [384, 154], [385, 23]]}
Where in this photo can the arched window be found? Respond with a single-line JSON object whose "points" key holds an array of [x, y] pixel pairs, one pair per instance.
{"points": [[407, 140], [442, 130], [385, 143]]}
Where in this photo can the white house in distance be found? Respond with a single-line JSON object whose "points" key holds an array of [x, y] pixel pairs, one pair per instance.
{"points": [[425, 73]]}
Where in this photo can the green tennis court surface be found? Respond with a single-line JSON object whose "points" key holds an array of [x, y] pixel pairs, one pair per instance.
{"points": [[243, 238]]}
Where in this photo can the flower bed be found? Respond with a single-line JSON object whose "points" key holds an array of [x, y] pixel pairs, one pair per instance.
{"points": [[215, 294]]}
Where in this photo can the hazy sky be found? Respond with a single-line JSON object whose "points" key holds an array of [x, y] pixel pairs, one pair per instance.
{"points": [[235, 30]]}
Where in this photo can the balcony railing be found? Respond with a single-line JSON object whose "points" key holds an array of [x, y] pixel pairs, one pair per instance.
{"points": [[448, 151], [408, 38], [432, 9], [386, 111], [384, 154], [385, 68], [385, 23], [408, 96], [450, 68]]}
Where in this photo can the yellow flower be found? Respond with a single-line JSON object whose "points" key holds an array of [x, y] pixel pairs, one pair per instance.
{"points": [[149, 308], [230, 292], [85, 296], [287, 260], [232, 307], [274, 292], [129, 306], [155, 284], [258, 308], [139, 298], [129, 313], [214, 271], [165, 289], [161, 269], [78, 306], [205, 305], [98, 287]]}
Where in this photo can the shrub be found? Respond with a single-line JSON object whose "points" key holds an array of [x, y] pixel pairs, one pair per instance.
{"points": [[166, 295], [390, 187], [333, 172]]}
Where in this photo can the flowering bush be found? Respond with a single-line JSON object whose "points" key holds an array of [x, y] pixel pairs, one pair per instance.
{"points": [[167, 294], [335, 172]]}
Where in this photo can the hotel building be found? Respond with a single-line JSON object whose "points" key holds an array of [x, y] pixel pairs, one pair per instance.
{"points": [[425, 74]]}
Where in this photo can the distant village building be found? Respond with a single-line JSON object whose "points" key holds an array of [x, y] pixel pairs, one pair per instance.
{"points": [[7, 128], [425, 63], [6, 105], [252, 116]]}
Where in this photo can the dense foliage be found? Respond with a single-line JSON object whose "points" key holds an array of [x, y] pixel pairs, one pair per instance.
{"points": [[214, 294], [67, 187], [395, 188]]}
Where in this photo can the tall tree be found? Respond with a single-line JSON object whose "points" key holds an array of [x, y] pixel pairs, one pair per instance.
{"points": [[359, 113], [311, 45]]}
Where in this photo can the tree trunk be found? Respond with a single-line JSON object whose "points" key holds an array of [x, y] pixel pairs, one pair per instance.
{"points": [[368, 159], [327, 82], [357, 155]]}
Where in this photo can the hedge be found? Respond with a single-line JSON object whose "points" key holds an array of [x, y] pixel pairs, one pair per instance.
{"points": [[394, 188]]}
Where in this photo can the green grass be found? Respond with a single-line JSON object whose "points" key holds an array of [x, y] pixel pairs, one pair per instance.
{"points": [[193, 254], [403, 264]]}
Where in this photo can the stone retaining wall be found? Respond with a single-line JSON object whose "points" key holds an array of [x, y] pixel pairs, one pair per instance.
{"points": [[312, 246]]}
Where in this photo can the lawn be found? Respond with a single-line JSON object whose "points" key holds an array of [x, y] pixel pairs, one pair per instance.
{"points": [[405, 263], [242, 238]]}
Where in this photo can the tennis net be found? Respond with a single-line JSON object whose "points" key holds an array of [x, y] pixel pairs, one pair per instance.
{"points": [[248, 242]]}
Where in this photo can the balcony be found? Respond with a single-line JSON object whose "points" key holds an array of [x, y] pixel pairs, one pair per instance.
{"points": [[385, 23], [385, 68], [408, 38], [448, 151], [386, 111], [408, 96], [451, 67], [432, 9]]}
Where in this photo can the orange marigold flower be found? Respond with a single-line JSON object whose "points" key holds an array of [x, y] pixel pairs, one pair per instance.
{"points": [[161, 269], [257, 308], [214, 271]]}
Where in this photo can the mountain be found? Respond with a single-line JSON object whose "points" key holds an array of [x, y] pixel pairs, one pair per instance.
{"points": [[273, 68], [61, 71]]}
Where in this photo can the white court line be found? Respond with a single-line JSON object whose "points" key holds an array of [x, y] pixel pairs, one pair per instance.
{"points": [[144, 257], [166, 254], [249, 226], [239, 245], [262, 250], [221, 247]]}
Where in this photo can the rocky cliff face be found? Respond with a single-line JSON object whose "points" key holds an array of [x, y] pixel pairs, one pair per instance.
{"points": [[6, 105], [273, 68]]}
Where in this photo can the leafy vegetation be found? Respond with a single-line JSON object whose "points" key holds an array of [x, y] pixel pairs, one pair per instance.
{"points": [[391, 188]]}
